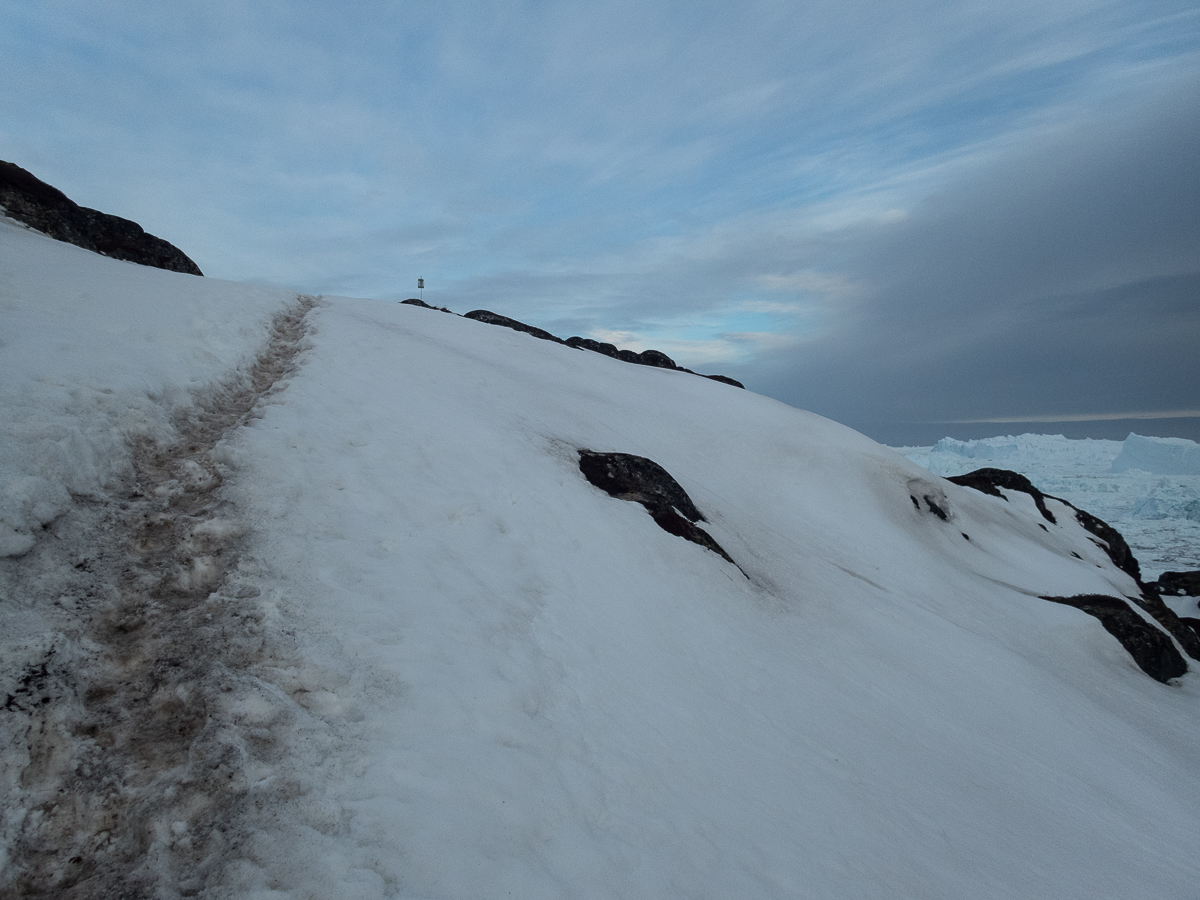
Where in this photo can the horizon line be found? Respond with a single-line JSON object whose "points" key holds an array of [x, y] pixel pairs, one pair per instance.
{"points": [[1077, 417]]}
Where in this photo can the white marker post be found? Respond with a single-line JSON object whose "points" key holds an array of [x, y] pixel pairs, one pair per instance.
{"points": [[421, 288]]}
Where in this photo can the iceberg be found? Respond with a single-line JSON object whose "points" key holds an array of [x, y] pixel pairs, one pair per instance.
{"points": [[1160, 456]]}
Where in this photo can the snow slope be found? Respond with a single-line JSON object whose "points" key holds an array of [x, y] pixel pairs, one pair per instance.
{"points": [[476, 675], [1141, 486], [95, 353]]}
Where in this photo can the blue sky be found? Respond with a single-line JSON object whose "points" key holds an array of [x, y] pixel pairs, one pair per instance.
{"points": [[906, 216]]}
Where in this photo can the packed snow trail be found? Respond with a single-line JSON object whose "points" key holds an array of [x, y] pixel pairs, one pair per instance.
{"points": [[140, 756]]}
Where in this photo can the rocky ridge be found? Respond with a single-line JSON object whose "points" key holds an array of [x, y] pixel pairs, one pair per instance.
{"points": [[653, 358], [1150, 648], [30, 200]]}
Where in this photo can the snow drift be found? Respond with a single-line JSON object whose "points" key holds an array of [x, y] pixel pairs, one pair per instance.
{"points": [[429, 658]]}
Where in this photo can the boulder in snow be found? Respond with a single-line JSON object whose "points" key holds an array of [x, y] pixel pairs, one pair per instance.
{"points": [[642, 480], [1176, 584]]}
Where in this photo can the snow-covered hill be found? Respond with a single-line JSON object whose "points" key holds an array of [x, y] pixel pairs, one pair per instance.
{"points": [[312, 602]]}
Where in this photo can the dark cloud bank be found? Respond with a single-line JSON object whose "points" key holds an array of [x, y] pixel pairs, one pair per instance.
{"points": [[1063, 280]]}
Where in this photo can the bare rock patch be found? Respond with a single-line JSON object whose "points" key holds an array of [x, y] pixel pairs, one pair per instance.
{"points": [[642, 480]]}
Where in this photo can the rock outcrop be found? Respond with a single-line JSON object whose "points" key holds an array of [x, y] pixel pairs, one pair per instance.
{"points": [[656, 359], [580, 343], [645, 358], [491, 318], [1150, 648], [642, 480], [415, 301], [725, 379], [29, 200], [652, 358], [1179, 584], [989, 481], [1107, 538]]}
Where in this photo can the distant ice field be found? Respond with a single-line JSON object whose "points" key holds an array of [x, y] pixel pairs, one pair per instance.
{"points": [[1147, 488]]}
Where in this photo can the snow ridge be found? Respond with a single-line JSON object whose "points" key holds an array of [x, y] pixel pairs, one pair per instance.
{"points": [[134, 732]]}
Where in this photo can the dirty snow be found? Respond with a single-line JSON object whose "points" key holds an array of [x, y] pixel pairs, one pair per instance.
{"points": [[413, 653]]}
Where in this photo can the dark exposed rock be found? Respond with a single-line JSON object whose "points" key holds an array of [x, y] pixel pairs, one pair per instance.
{"points": [[646, 358], [1188, 637], [1176, 584], [491, 318], [656, 359], [673, 523], [935, 509], [595, 346], [725, 379], [1114, 545], [989, 481], [637, 478], [653, 358], [414, 301], [642, 480], [28, 199], [1150, 648], [1106, 537], [1184, 630]]}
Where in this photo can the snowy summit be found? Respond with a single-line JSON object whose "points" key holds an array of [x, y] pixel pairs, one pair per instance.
{"points": [[324, 597]]}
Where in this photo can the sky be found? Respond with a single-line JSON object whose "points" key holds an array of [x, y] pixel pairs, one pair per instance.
{"points": [[917, 218]]}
